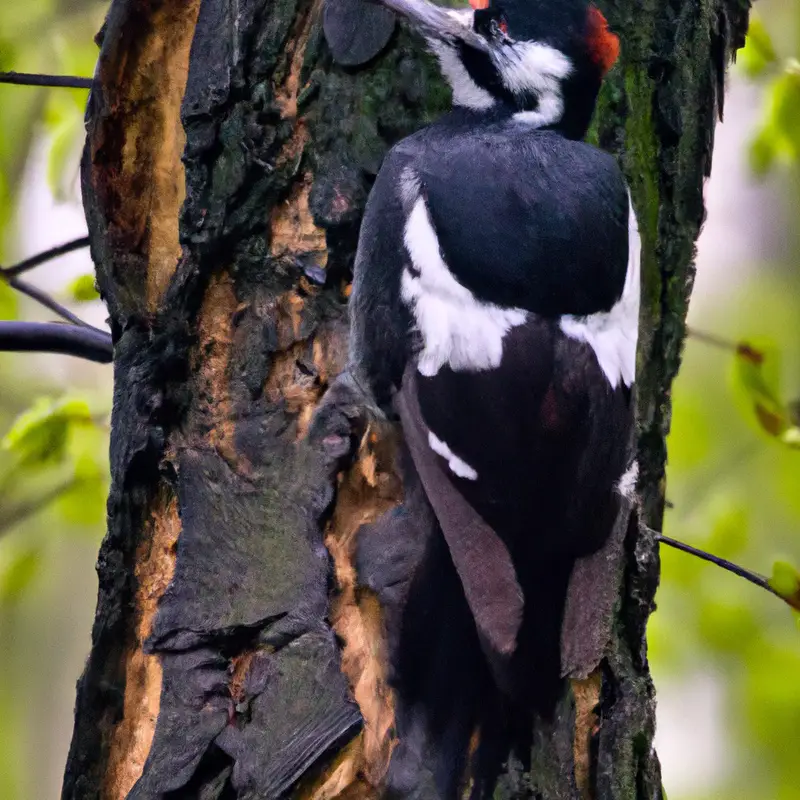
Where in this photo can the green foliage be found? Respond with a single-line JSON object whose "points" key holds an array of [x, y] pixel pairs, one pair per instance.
{"points": [[40, 434], [734, 485], [18, 569], [53, 484], [759, 54], [8, 301], [43, 36], [61, 444], [756, 382], [64, 112], [785, 581], [778, 138], [53, 459], [83, 289]]}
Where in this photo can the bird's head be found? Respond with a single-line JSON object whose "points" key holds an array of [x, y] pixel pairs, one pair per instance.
{"points": [[544, 60]]}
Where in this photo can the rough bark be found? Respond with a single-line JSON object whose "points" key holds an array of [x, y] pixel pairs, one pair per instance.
{"points": [[237, 651]]}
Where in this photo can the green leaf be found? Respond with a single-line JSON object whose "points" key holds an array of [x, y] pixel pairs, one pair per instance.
{"points": [[18, 573], [786, 114], [779, 136], [756, 382], [785, 581], [758, 53], [40, 435], [83, 289]]}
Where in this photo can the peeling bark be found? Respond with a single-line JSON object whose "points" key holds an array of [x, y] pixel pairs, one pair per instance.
{"points": [[153, 570], [244, 624]]}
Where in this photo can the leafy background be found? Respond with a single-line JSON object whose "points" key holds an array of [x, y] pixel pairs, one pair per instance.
{"points": [[725, 655], [53, 411]]}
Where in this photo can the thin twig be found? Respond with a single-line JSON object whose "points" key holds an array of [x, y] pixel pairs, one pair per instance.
{"points": [[48, 302], [46, 255], [55, 337], [21, 512], [742, 349], [712, 339], [36, 79], [753, 577]]}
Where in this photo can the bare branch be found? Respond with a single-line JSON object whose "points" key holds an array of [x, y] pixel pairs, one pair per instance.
{"points": [[48, 302], [56, 81], [46, 255], [55, 337], [742, 349], [753, 577]]}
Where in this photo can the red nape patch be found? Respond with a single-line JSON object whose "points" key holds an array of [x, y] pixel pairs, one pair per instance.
{"points": [[602, 43], [479, 4]]}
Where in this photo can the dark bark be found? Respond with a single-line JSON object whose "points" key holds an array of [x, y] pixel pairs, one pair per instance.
{"points": [[236, 649]]}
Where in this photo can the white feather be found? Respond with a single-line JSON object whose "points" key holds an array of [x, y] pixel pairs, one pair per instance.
{"points": [[456, 328], [532, 66], [613, 334], [535, 68], [462, 15], [550, 109], [466, 92], [457, 465]]}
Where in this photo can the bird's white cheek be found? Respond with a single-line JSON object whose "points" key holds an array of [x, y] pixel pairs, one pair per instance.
{"points": [[466, 92]]}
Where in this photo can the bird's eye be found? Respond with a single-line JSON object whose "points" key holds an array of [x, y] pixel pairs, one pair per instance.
{"points": [[489, 23]]}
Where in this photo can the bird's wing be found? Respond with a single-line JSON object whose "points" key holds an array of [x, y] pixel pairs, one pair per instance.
{"points": [[533, 221], [510, 262]]}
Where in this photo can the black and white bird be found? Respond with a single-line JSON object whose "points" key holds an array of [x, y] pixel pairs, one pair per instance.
{"points": [[495, 303]]}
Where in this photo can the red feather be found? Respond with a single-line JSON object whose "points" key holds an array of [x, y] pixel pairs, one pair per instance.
{"points": [[602, 43]]}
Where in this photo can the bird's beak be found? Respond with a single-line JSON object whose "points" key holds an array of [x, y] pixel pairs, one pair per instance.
{"points": [[435, 22]]}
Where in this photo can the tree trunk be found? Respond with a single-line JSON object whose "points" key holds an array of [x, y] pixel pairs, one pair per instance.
{"points": [[236, 650]]}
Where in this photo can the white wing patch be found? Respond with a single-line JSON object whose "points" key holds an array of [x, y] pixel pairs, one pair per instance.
{"points": [[457, 465], [613, 334], [456, 329]]}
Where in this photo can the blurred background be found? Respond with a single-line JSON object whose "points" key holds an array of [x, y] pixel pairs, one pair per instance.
{"points": [[725, 655]]}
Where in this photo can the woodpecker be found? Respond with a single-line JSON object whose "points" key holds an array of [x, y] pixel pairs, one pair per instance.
{"points": [[495, 307]]}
